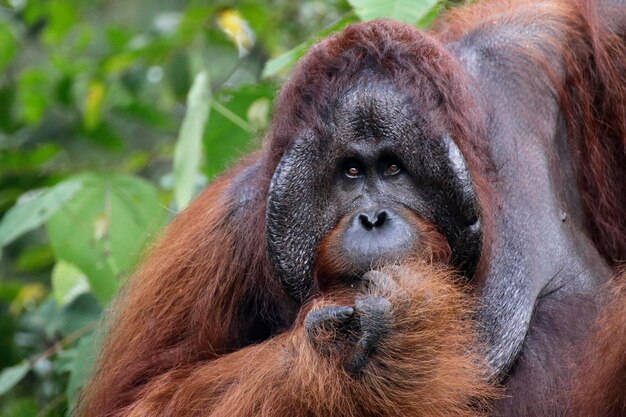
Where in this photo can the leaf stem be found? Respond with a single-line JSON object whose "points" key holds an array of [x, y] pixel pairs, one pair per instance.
{"points": [[227, 113]]}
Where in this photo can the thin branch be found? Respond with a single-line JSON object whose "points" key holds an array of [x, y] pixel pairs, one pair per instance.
{"points": [[231, 116]]}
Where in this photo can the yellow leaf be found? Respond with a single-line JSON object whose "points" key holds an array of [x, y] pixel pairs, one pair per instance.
{"points": [[28, 296], [93, 105], [237, 29]]}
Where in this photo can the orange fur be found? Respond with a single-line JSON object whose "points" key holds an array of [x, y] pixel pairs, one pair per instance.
{"points": [[599, 386], [423, 368], [204, 329]]}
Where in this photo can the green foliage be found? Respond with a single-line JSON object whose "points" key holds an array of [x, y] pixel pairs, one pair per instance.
{"points": [[286, 60], [68, 282], [409, 11], [189, 144], [12, 375], [114, 116], [35, 209], [103, 229]]}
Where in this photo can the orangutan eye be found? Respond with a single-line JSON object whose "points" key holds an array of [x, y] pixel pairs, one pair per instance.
{"points": [[392, 169], [353, 171]]}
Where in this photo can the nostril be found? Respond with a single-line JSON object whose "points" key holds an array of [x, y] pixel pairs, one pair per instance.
{"points": [[366, 221], [381, 217], [372, 220]]}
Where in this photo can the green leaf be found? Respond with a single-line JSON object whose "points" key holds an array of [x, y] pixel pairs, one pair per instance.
{"points": [[9, 46], [228, 139], [219, 57], [34, 96], [286, 60], [35, 258], [409, 11], [188, 151], [36, 208], [81, 365], [429, 18], [195, 19], [21, 162], [20, 407], [68, 282], [178, 73], [53, 321], [61, 19], [105, 227], [259, 112], [11, 376], [84, 311]]}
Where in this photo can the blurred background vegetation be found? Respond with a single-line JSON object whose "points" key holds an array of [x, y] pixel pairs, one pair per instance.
{"points": [[113, 115]]}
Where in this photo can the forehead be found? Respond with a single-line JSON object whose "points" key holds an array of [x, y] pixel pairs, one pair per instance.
{"points": [[373, 112]]}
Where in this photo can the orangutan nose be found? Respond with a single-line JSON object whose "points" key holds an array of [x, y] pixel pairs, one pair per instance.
{"points": [[376, 236], [371, 220]]}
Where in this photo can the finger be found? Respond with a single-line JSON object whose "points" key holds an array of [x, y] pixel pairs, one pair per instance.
{"points": [[327, 318], [376, 319]]}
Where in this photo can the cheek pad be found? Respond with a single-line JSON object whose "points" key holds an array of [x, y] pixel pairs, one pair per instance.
{"points": [[299, 213]]}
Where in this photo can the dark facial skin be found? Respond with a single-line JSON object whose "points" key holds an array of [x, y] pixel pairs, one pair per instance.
{"points": [[372, 187], [372, 170]]}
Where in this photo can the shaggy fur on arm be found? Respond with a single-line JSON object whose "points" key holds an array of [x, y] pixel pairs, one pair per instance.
{"points": [[422, 368]]}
